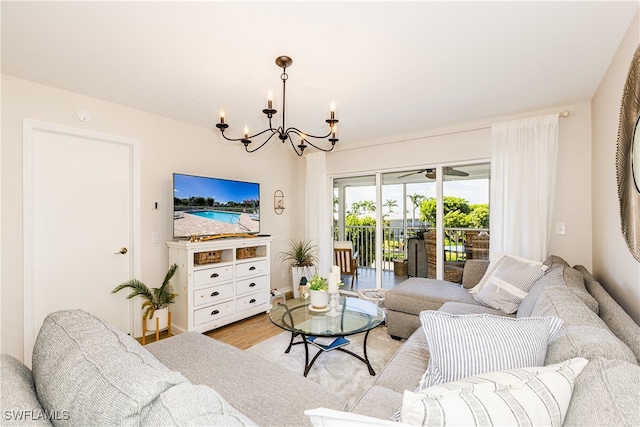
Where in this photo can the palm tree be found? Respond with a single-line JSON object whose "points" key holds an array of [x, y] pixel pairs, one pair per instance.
{"points": [[368, 206], [390, 204], [156, 298], [416, 200]]}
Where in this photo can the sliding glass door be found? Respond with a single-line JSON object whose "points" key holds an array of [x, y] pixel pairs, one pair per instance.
{"points": [[423, 222]]}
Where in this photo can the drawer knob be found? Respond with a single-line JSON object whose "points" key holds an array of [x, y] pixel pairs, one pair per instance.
{"points": [[252, 284], [215, 293], [253, 300], [214, 312], [214, 275], [252, 267]]}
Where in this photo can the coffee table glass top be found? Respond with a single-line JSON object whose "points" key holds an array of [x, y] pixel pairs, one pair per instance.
{"points": [[354, 316]]}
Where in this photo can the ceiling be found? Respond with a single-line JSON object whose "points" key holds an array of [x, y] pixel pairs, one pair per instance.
{"points": [[390, 67]]}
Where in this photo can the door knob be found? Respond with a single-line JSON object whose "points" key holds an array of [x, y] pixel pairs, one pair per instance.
{"points": [[121, 251]]}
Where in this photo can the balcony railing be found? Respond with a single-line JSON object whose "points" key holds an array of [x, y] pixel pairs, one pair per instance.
{"points": [[460, 244]]}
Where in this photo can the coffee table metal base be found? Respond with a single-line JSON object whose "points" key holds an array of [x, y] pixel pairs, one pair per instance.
{"points": [[308, 365]]}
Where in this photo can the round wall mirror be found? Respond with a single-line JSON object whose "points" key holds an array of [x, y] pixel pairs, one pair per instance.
{"points": [[635, 155], [628, 158]]}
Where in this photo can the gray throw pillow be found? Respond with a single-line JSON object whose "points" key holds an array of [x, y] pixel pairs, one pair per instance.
{"points": [[509, 284]]}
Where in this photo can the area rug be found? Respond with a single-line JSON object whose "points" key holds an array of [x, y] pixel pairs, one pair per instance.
{"points": [[336, 370]]}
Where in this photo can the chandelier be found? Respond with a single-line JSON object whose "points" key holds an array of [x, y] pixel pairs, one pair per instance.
{"points": [[284, 133]]}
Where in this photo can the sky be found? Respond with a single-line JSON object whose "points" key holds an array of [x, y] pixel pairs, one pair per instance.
{"points": [[221, 190]]}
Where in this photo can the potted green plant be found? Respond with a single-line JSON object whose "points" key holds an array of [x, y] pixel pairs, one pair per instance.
{"points": [[156, 300], [318, 292], [302, 254]]}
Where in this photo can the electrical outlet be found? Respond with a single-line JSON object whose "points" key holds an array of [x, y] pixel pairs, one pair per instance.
{"points": [[561, 229], [284, 275], [155, 237]]}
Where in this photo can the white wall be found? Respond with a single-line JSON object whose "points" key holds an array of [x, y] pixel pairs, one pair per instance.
{"points": [[613, 264], [472, 141], [167, 146]]}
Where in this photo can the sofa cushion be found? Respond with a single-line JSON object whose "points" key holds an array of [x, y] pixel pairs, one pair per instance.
{"points": [[378, 401], [417, 294], [98, 373], [620, 323], [583, 334], [553, 261], [19, 403], [463, 346], [192, 405], [243, 379], [404, 369], [606, 393], [463, 308], [558, 275], [508, 284], [527, 396]]}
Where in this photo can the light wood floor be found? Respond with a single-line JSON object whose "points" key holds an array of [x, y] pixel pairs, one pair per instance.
{"points": [[242, 334], [247, 332]]}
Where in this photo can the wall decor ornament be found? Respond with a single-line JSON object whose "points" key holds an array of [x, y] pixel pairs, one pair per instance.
{"points": [[278, 202], [628, 158]]}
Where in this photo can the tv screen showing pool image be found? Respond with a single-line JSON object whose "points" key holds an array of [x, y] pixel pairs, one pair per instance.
{"points": [[206, 206]]}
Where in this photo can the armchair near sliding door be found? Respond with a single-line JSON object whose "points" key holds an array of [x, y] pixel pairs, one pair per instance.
{"points": [[346, 258]]}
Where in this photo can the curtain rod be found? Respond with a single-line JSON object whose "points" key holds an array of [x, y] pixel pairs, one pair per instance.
{"points": [[562, 114]]}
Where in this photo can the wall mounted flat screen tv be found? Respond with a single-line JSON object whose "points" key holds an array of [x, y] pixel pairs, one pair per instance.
{"points": [[206, 206]]}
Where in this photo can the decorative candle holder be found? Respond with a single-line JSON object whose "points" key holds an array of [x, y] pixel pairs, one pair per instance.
{"points": [[334, 303]]}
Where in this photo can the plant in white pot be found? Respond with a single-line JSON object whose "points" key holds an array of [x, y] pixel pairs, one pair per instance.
{"points": [[318, 292], [156, 300], [303, 257]]}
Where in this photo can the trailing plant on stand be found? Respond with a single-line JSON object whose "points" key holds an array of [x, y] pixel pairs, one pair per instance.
{"points": [[154, 298]]}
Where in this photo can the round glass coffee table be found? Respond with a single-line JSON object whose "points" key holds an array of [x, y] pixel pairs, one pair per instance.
{"points": [[327, 330]]}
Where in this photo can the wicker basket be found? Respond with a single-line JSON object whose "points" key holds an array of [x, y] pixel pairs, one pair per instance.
{"points": [[242, 253], [200, 258]]}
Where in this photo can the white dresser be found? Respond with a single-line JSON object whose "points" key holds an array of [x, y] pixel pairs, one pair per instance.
{"points": [[219, 282]]}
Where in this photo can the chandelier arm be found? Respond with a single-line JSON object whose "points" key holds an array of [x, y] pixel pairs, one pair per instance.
{"points": [[299, 153], [306, 135], [259, 146], [273, 132], [326, 150]]}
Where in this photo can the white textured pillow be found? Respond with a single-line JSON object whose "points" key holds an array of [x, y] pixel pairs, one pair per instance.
{"points": [[508, 284], [323, 417], [461, 346], [536, 396], [496, 260]]}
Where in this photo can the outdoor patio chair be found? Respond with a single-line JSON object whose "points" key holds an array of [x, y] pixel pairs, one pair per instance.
{"points": [[346, 258]]}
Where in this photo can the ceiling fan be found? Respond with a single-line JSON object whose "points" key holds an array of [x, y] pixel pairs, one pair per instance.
{"points": [[431, 172]]}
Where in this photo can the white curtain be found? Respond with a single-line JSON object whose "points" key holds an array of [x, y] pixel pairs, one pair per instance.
{"points": [[317, 208], [523, 172]]}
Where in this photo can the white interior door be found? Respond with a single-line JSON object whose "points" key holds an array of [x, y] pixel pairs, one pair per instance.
{"points": [[80, 224]]}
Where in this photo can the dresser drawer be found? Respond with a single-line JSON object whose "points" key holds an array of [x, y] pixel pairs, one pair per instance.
{"points": [[253, 300], [207, 314], [212, 294], [210, 276], [251, 285], [252, 268]]}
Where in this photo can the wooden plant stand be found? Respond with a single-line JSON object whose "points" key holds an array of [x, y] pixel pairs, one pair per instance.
{"points": [[144, 328]]}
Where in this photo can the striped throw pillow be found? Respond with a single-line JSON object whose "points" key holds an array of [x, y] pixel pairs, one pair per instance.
{"points": [[461, 346], [517, 397], [508, 284]]}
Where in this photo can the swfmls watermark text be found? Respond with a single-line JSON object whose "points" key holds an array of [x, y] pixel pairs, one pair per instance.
{"points": [[35, 415]]}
